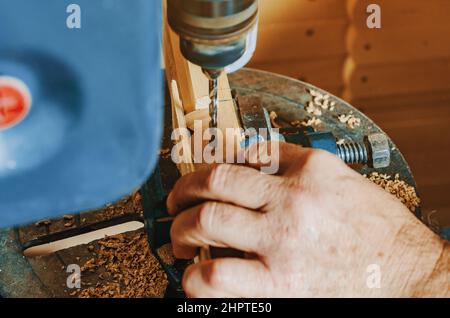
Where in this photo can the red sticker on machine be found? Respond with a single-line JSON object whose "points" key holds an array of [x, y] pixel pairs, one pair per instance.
{"points": [[15, 101]]}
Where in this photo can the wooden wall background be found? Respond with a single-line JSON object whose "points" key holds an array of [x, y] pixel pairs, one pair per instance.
{"points": [[398, 75]]}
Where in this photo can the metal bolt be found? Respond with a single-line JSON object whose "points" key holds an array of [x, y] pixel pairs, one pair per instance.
{"points": [[374, 151]]}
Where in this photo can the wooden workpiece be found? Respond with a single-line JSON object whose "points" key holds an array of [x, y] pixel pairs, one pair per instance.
{"points": [[189, 92]]}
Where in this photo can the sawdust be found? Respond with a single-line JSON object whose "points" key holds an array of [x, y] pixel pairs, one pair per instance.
{"points": [[314, 122], [166, 254], [320, 100], [273, 119], [126, 268], [350, 119], [164, 153], [399, 188], [43, 223], [129, 205], [313, 109]]}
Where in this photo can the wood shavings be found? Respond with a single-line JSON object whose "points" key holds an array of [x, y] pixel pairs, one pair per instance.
{"points": [[128, 269], [311, 122], [340, 142], [43, 223], [320, 100], [273, 119], [165, 252], [399, 188], [129, 205], [350, 120], [313, 109], [164, 153]]}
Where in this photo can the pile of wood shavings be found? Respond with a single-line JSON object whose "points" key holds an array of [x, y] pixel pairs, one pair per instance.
{"points": [[129, 269], [311, 122], [320, 100], [165, 252], [164, 153], [313, 109], [400, 189], [350, 119]]}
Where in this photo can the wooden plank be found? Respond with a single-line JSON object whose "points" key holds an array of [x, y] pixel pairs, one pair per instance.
{"points": [[405, 43], [190, 79], [179, 122], [400, 12], [319, 72], [177, 68], [424, 100], [301, 40], [299, 10], [422, 133], [395, 79]]}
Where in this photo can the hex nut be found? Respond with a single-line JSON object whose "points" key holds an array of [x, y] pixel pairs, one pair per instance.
{"points": [[379, 150]]}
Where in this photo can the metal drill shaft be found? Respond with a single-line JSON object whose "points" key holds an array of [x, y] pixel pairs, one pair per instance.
{"points": [[214, 102]]}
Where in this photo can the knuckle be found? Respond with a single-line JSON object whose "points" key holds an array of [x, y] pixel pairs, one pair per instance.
{"points": [[213, 274], [186, 281], [174, 231], [205, 217], [317, 157], [217, 177]]}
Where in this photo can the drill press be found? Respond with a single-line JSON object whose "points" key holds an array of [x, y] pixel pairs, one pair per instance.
{"points": [[218, 35]]}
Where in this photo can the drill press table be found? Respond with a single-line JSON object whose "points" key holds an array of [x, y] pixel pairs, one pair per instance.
{"points": [[45, 276]]}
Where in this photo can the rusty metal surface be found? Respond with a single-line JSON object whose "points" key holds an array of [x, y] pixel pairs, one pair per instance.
{"points": [[46, 276]]}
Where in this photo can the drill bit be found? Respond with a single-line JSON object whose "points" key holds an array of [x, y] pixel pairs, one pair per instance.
{"points": [[213, 77], [214, 102]]}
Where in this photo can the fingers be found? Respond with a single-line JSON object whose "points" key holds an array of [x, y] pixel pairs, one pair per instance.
{"points": [[220, 225], [227, 277], [292, 160], [279, 156], [233, 184]]}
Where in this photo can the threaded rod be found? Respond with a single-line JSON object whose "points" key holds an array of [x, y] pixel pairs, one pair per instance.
{"points": [[353, 153]]}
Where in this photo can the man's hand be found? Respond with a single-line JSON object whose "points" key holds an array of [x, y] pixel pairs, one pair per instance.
{"points": [[317, 229]]}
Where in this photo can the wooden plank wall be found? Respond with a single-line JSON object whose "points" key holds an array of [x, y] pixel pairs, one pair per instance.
{"points": [[398, 75], [303, 39]]}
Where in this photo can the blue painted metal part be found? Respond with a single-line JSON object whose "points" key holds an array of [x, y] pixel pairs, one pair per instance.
{"points": [[94, 128]]}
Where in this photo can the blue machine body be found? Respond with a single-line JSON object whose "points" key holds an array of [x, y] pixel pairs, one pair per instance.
{"points": [[93, 131]]}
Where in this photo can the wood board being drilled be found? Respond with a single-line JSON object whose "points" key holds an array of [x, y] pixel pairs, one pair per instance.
{"points": [[193, 89], [189, 92]]}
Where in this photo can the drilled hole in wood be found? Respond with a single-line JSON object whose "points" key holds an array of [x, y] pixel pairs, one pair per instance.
{"points": [[86, 238], [364, 79], [367, 47]]}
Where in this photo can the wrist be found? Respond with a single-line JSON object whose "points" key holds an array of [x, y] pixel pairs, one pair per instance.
{"points": [[437, 283], [420, 259]]}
